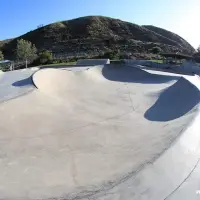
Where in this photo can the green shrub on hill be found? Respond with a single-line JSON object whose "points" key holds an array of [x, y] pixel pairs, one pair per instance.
{"points": [[156, 50], [45, 57], [112, 55], [1, 55]]}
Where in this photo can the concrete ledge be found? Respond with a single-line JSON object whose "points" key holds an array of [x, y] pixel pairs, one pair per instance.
{"points": [[93, 61]]}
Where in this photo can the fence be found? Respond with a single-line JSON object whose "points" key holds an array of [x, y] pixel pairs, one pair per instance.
{"points": [[12, 65]]}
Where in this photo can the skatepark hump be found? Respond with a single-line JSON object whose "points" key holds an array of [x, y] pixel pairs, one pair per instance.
{"points": [[107, 132]]}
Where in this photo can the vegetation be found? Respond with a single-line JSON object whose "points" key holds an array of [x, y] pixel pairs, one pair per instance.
{"points": [[172, 38], [157, 61], [196, 56], [198, 49], [26, 51], [156, 50], [58, 64], [4, 42], [1, 56], [45, 60], [97, 35], [45, 57], [112, 55]]}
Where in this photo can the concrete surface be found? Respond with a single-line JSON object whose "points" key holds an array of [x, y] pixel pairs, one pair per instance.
{"points": [[19, 82], [100, 134], [68, 67], [16, 83], [190, 188], [187, 67]]}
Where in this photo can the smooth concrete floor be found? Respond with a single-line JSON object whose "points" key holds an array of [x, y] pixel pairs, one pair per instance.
{"points": [[86, 131]]}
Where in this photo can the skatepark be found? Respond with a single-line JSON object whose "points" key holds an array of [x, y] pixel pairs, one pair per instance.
{"points": [[99, 131]]}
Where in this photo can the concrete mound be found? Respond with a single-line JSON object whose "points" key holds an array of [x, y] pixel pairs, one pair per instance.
{"points": [[83, 134], [53, 79]]}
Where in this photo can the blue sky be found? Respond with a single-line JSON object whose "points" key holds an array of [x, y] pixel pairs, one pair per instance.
{"points": [[180, 16]]}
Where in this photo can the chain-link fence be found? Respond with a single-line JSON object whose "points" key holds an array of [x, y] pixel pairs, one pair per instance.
{"points": [[8, 65]]}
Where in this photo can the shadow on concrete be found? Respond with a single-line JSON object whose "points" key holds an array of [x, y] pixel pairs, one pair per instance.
{"points": [[174, 102], [123, 73], [169, 70], [24, 82]]}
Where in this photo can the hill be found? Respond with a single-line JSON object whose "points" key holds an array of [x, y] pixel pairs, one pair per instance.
{"points": [[3, 42], [97, 34], [171, 36]]}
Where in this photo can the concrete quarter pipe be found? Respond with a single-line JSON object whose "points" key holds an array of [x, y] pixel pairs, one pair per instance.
{"points": [[108, 132]]}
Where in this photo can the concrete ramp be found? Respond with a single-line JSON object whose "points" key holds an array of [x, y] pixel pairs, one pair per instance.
{"points": [[124, 73], [174, 101], [93, 62], [99, 134]]}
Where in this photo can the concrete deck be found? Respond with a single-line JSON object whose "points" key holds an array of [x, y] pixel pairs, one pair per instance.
{"points": [[16, 83], [112, 132]]}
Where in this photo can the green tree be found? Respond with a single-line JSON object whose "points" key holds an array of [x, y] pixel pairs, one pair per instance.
{"points": [[113, 55], [198, 49], [45, 57], [26, 51], [156, 50], [1, 55]]}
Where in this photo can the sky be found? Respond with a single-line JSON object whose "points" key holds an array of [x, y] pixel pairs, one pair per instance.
{"points": [[179, 16]]}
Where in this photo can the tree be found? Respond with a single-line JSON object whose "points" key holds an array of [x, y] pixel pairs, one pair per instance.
{"points": [[1, 55], [45, 57], [156, 50], [26, 51], [198, 49], [113, 55]]}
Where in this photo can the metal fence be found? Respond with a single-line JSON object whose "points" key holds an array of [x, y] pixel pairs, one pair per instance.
{"points": [[12, 65]]}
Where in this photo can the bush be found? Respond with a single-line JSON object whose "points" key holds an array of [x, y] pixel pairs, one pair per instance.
{"points": [[45, 57], [112, 55], [156, 50], [55, 61], [1, 55], [73, 59]]}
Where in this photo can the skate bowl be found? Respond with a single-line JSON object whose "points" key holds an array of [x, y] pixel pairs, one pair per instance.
{"points": [[107, 132]]}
